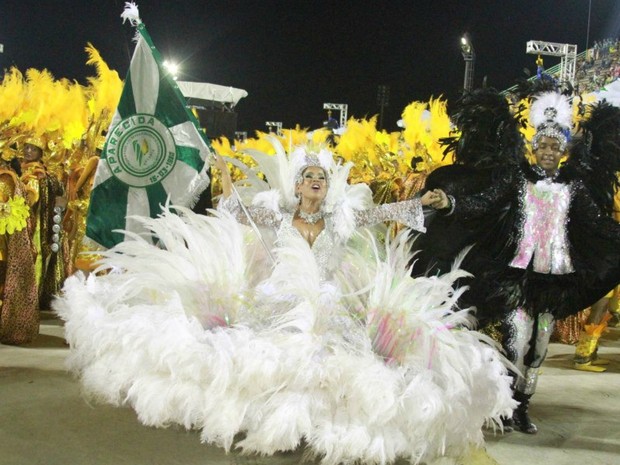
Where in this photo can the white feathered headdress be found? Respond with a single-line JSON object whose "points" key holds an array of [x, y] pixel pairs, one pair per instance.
{"points": [[282, 171], [552, 116]]}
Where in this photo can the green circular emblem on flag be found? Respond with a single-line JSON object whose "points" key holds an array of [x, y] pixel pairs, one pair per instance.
{"points": [[140, 151]]}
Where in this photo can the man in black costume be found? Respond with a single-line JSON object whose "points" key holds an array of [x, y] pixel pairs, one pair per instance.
{"points": [[530, 260]]}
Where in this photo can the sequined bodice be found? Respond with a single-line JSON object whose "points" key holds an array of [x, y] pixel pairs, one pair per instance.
{"points": [[543, 239], [324, 249]]}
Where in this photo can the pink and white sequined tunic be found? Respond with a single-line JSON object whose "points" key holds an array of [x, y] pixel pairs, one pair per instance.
{"points": [[543, 239]]}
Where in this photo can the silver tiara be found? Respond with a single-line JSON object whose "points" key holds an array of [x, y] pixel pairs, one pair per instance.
{"points": [[310, 159], [550, 130]]}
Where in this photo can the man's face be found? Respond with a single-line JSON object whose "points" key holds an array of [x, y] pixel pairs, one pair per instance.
{"points": [[548, 153]]}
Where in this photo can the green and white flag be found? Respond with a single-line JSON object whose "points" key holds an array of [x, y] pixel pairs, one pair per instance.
{"points": [[154, 149]]}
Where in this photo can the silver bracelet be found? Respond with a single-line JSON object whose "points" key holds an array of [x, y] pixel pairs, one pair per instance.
{"points": [[452, 204]]}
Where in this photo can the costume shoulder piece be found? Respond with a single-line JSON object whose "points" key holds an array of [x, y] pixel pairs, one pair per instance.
{"points": [[595, 155]]}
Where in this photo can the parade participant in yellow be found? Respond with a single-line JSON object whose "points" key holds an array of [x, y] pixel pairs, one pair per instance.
{"points": [[586, 353], [79, 184], [44, 194], [19, 315]]}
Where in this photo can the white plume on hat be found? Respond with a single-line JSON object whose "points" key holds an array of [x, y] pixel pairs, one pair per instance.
{"points": [[551, 108], [551, 114]]}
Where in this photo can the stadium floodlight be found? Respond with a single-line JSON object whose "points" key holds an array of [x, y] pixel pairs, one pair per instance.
{"points": [[469, 55], [172, 68]]}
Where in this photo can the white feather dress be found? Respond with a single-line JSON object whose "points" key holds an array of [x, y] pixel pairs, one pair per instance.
{"points": [[334, 347]]}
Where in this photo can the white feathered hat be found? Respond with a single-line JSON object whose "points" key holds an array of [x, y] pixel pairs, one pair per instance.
{"points": [[552, 116], [282, 171]]}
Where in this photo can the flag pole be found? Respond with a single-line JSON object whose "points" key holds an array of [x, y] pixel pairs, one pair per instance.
{"points": [[252, 223]]}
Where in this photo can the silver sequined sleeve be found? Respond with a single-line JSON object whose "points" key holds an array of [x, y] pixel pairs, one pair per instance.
{"points": [[260, 215], [408, 213]]}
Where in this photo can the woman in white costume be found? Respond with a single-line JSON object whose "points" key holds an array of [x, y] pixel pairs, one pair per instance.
{"points": [[324, 341]]}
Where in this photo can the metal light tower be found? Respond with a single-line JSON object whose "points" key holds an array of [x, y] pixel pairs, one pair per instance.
{"points": [[383, 100], [342, 108], [275, 124], [568, 53], [469, 55]]}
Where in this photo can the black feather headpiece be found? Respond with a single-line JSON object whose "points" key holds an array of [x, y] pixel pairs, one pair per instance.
{"points": [[489, 131]]}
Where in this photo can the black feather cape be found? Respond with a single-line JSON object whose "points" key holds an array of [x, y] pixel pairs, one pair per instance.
{"points": [[490, 169]]}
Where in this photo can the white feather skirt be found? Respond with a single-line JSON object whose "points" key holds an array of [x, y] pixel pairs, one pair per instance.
{"points": [[204, 332]]}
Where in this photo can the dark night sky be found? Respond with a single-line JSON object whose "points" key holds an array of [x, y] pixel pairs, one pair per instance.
{"points": [[292, 56]]}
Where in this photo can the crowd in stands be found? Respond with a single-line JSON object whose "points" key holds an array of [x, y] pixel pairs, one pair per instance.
{"points": [[599, 66]]}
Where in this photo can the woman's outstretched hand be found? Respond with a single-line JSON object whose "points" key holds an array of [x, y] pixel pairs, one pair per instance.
{"points": [[429, 198], [436, 199], [440, 199]]}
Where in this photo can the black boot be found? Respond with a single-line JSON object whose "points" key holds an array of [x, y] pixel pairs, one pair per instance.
{"points": [[520, 416]]}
